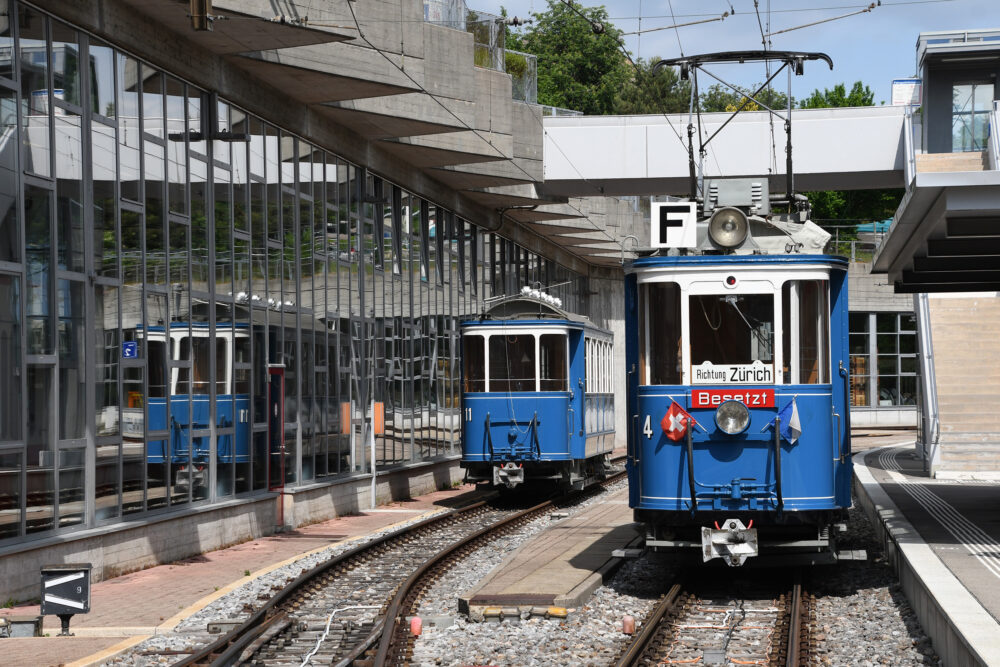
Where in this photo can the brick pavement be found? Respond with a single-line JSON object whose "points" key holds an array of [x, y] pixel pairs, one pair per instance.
{"points": [[127, 609]]}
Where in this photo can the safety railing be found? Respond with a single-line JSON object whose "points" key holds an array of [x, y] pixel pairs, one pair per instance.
{"points": [[994, 138], [930, 425], [910, 163]]}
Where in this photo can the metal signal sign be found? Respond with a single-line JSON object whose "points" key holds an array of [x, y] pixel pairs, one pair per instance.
{"points": [[673, 225]]}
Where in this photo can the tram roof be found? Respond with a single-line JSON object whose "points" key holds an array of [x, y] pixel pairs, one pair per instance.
{"points": [[728, 260], [529, 310]]}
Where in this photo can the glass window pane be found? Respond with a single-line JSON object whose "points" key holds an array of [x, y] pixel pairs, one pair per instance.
{"points": [[106, 355], [102, 78], [133, 436], [859, 390], [176, 147], [512, 362], [885, 343], [107, 487], [908, 364], [105, 232], [859, 343], [858, 322], [907, 322], [71, 486], [746, 325], [908, 390], [6, 41], [10, 241], [72, 390], [127, 111], [907, 344], [69, 202], [40, 449], [38, 236], [664, 325], [475, 363], [66, 63], [11, 494], [10, 357], [553, 359], [885, 322], [888, 390], [35, 93], [888, 364]]}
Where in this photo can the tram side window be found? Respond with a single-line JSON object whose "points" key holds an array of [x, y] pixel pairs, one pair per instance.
{"points": [[732, 328], [660, 334], [552, 355], [157, 350], [475, 364], [512, 362], [806, 324]]}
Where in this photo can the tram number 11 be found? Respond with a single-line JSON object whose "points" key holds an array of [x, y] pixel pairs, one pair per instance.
{"points": [[468, 414]]}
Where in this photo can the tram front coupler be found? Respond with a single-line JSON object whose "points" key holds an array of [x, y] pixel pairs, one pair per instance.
{"points": [[730, 540], [508, 474]]}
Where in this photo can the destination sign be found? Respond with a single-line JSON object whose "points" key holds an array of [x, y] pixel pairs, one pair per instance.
{"points": [[713, 398], [755, 373]]}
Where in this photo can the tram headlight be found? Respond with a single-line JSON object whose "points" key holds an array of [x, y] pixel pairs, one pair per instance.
{"points": [[732, 417], [728, 227]]}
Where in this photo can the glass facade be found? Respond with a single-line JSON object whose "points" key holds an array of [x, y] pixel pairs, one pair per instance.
{"points": [[884, 364], [197, 305]]}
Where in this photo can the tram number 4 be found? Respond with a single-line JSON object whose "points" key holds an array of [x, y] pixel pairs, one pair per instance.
{"points": [[647, 429]]}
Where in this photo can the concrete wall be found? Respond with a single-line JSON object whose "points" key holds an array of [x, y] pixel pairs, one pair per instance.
{"points": [[131, 546], [874, 293]]}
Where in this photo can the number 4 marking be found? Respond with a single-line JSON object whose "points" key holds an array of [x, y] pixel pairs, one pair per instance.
{"points": [[646, 429]]}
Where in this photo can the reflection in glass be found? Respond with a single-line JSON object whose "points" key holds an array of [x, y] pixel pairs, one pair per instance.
{"points": [[69, 203], [11, 494], [10, 357], [105, 236], [106, 485], [6, 42], [102, 78], [10, 242], [133, 435], [65, 63], [40, 443], [38, 237], [71, 487], [128, 126], [176, 147], [35, 103], [72, 390], [106, 354]]}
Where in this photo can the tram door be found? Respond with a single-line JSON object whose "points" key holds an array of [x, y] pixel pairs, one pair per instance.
{"points": [[276, 430]]}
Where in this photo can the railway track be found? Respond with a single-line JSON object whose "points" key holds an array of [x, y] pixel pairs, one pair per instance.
{"points": [[353, 609], [733, 620]]}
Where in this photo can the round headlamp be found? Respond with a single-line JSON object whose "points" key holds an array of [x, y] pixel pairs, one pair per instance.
{"points": [[728, 227], [732, 417]]}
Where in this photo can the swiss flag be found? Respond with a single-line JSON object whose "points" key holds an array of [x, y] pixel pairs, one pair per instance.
{"points": [[676, 422]]}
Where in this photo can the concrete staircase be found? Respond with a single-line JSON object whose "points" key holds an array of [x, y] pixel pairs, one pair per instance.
{"points": [[938, 162], [966, 338]]}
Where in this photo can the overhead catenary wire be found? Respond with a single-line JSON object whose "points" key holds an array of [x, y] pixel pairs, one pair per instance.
{"points": [[866, 10]]}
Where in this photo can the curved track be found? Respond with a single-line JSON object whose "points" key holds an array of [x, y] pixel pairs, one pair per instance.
{"points": [[354, 607]]}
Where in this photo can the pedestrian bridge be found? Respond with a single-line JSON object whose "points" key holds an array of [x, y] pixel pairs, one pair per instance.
{"points": [[833, 149]]}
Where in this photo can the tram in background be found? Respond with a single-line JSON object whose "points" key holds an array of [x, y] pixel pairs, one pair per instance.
{"points": [[538, 394]]}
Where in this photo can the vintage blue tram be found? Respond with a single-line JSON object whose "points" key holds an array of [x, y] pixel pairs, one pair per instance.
{"points": [[737, 385], [538, 396]]}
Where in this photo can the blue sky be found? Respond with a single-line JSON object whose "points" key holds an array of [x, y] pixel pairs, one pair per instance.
{"points": [[874, 47]]}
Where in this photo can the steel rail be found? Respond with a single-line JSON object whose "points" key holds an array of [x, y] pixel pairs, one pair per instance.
{"points": [[649, 628], [398, 608], [794, 625], [260, 620]]}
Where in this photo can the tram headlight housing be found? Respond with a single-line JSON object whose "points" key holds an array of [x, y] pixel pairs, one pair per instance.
{"points": [[728, 227], [732, 417]]}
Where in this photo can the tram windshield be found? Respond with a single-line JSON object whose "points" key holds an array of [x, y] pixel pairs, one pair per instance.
{"points": [[512, 362], [732, 329], [475, 363]]}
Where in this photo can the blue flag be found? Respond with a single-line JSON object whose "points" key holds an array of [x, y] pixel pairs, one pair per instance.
{"points": [[791, 427]]}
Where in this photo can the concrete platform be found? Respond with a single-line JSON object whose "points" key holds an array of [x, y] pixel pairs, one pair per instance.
{"points": [[563, 565], [128, 609], [943, 538]]}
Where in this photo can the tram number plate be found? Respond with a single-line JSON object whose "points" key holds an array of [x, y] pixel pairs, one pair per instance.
{"points": [[713, 398]]}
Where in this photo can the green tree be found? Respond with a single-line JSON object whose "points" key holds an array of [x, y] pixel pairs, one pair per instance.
{"points": [[847, 207], [580, 62], [860, 96], [724, 98], [646, 93]]}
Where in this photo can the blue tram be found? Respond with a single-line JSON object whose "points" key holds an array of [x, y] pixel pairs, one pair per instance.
{"points": [[736, 348], [538, 394], [187, 451]]}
